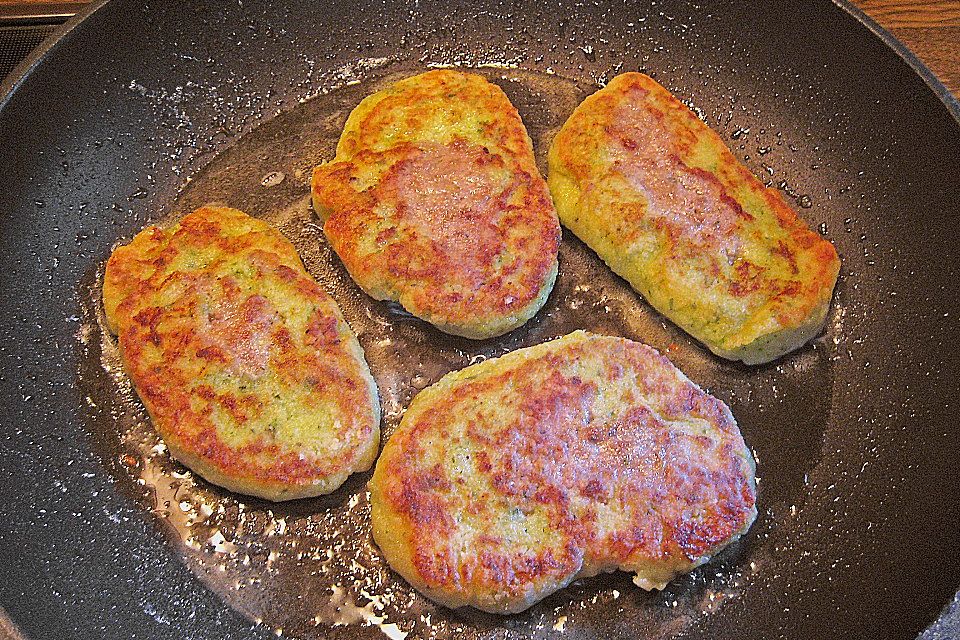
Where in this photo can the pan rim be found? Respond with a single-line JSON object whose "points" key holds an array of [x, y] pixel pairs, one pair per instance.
{"points": [[21, 72], [10, 84], [950, 101]]}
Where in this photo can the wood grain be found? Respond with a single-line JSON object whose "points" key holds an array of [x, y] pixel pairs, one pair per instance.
{"points": [[929, 28]]}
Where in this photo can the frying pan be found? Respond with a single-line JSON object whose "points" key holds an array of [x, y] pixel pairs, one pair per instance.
{"points": [[144, 109]]}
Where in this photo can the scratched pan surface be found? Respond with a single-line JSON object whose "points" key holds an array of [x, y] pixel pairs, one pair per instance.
{"points": [[144, 110]]}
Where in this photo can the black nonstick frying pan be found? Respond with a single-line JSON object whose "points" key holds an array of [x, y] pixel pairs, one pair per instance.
{"points": [[145, 109]]}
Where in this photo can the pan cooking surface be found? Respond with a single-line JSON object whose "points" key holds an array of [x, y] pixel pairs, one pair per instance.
{"points": [[314, 558], [103, 534]]}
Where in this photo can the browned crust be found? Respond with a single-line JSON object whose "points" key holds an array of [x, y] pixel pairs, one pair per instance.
{"points": [[246, 366], [509, 479], [434, 200], [664, 202]]}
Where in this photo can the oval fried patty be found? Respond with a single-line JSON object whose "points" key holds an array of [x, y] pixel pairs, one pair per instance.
{"points": [[656, 193], [508, 479], [434, 201], [249, 372]]}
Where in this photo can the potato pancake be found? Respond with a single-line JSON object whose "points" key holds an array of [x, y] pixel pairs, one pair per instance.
{"points": [[247, 368], [434, 200], [509, 479], [656, 193]]}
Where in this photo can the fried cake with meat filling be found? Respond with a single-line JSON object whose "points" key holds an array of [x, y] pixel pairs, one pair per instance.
{"points": [[434, 201], [509, 479], [656, 193], [247, 368]]}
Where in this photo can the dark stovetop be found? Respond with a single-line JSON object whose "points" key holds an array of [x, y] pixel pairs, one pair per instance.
{"points": [[24, 25]]}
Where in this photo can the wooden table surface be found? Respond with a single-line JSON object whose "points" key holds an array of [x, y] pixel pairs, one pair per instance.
{"points": [[930, 28]]}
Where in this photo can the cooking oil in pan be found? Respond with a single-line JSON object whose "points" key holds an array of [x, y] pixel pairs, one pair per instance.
{"points": [[309, 568]]}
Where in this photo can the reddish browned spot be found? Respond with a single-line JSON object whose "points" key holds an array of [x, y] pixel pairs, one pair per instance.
{"points": [[212, 353], [749, 278], [791, 288], [787, 254], [387, 234], [322, 330]]}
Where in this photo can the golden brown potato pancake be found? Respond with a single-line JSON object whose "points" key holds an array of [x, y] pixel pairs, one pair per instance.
{"points": [[508, 479], [656, 193], [248, 370], [434, 201]]}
